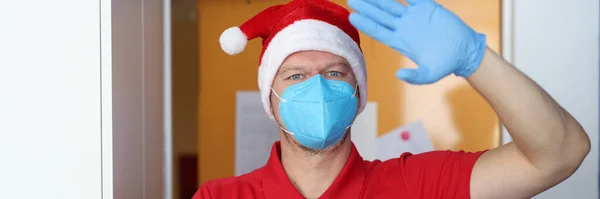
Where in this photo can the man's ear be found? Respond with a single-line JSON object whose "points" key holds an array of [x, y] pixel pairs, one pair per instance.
{"points": [[357, 92], [271, 101], [358, 98]]}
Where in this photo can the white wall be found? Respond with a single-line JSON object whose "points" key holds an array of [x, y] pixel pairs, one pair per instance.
{"points": [[81, 99], [50, 102], [556, 43]]}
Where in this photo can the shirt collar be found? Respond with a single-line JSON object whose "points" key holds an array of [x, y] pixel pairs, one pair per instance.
{"points": [[348, 183]]}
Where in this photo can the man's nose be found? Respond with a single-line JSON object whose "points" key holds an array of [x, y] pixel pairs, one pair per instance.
{"points": [[312, 73]]}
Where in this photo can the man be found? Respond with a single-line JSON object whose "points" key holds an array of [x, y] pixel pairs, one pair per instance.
{"points": [[312, 78]]}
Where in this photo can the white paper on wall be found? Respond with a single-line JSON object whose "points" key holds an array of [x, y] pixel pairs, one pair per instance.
{"points": [[255, 133], [364, 132], [410, 138]]}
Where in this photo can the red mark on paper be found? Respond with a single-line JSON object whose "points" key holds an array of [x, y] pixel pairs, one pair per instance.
{"points": [[405, 135]]}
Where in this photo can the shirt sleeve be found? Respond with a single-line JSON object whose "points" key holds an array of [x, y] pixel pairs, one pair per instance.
{"points": [[202, 193], [438, 174]]}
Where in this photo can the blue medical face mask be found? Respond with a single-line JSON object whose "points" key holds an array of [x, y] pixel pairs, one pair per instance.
{"points": [[318, 111]]}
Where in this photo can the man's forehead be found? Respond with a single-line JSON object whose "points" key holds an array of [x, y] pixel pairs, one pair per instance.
{"points": [[314, 66], [312, 60], [313, 54]]}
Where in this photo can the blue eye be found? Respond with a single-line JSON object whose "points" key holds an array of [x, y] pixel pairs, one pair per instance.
{"points": [[295, 77], [334, 74]]}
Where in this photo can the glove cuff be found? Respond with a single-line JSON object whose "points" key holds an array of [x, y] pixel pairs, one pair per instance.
{"points": [[474, 60]]}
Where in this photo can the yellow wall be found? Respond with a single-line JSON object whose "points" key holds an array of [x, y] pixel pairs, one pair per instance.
{"points": [[455, 116]]}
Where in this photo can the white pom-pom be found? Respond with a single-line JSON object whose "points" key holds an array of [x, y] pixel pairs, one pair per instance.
{"points": [[233, 40]]}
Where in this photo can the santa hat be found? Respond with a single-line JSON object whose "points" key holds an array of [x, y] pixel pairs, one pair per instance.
{"points": [[299, 25]]}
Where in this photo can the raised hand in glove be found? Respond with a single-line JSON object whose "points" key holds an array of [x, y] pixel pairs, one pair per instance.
{"points": [[434, 38]]}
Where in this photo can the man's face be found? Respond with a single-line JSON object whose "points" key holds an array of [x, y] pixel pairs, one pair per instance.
{"points": [[301, 66]]}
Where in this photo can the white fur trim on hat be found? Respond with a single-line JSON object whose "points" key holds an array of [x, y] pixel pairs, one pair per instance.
{"points": [[307, 35]]}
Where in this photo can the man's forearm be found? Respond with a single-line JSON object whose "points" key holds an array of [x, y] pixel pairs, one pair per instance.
{"points": [[547, 135]]}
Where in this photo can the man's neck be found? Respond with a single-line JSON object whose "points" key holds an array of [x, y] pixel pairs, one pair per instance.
{"points": [[313, 173]]}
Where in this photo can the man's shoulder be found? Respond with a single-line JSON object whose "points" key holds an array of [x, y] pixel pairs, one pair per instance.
{"points": [[244, 186], [458, 161], [424, 175], [251, 178]]}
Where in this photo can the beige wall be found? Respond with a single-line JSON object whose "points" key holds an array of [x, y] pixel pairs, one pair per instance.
{"points": [[137, 71]]}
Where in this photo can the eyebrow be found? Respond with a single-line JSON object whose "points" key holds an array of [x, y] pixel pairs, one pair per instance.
{"points": [[287, 68], [338, 63]]}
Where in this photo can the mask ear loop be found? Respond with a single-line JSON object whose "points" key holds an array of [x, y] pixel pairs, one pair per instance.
{"points": [[288, 132], [353, 95], [276, 95], [284, 101]]}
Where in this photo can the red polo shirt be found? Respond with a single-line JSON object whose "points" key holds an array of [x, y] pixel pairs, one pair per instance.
{"points": [[437, 174]]}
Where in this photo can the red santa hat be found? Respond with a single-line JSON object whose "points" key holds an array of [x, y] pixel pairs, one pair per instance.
{"points": [[300, 25]]}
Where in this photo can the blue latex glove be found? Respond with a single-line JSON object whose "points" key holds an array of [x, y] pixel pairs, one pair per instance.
{"points": [[434, 38]]}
